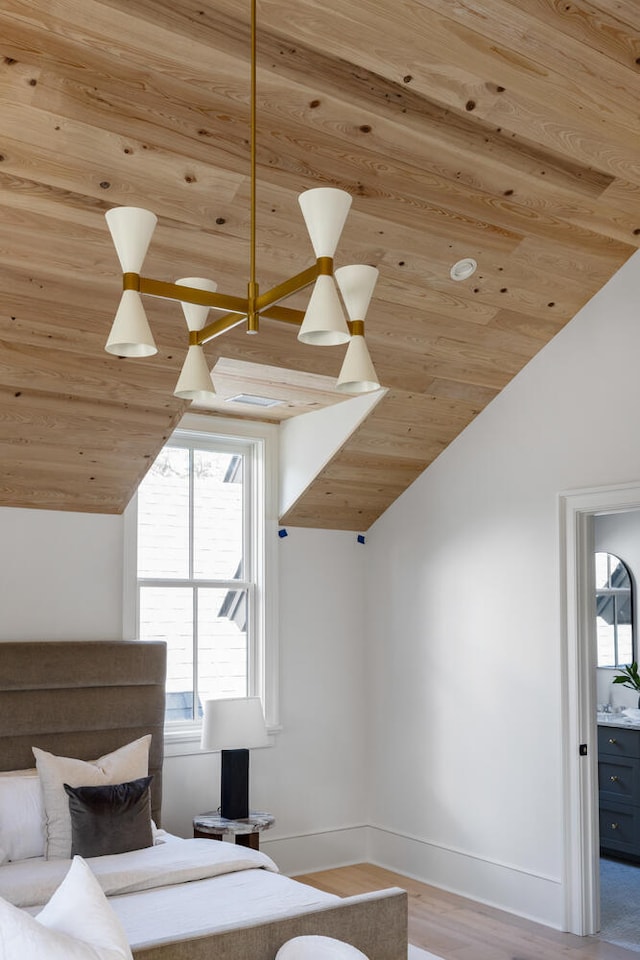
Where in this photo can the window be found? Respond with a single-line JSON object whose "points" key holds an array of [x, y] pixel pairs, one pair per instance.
{"points": [[202, 522], [614, 612]]}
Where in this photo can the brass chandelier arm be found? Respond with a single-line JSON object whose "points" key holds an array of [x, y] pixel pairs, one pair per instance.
{"points": [[295, 317], [230, 320], [217, 327], [174, 291], [240, 307], [288, 287], [284, 315]]}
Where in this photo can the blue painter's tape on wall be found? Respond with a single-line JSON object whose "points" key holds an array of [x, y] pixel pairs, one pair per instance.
{"points": [[282, 533], [361, 538]]}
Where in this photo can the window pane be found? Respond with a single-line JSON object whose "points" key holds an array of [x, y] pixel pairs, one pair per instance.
{"points": [[606, 607], [217, 517], [602, 570], [619, 574], [606, 643], [222, 643], [625, 644], [166, 613], [623, 611], [163, 517]]}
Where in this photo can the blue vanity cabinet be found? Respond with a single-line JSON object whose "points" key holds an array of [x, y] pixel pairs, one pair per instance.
{"points": [[619, 790]]}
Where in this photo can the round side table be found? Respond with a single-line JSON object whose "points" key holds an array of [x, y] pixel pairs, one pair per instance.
{"points": [[246, 832]]}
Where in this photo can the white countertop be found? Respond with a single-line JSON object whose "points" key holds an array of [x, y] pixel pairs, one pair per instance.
{"points": [[618, 720]]}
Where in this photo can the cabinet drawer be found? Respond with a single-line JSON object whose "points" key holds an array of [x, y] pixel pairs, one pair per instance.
{"points": [[619, 827], [619, 779], [618, 742]]}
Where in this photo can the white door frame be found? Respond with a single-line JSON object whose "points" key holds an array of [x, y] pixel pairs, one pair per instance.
{"points": [[581, 847]]}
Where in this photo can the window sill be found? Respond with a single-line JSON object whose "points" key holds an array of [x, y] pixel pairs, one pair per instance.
{"points": [[184, 741]]}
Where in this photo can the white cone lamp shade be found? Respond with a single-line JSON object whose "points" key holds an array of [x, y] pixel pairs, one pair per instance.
{"points": [[356, 283], [131, 230], [324, 322], [358, 374], [195, 381], [130, 334], [324, 210], [194, 314]]}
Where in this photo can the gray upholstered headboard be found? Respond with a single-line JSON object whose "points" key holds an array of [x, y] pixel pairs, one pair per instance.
{"points": [[82, 699]]}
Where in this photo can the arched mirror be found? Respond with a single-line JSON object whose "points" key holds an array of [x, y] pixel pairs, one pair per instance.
{"points": [[614, 612]]}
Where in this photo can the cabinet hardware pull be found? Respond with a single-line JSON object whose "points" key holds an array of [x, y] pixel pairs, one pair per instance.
{"points": [[614, 826], [614, 779], [612, 740]]}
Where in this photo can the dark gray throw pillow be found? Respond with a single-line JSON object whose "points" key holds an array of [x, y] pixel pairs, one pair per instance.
{"points": [[109, 819]]}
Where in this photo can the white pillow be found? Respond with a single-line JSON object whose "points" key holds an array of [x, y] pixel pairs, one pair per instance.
{"points": [[21, 815], [318, 948], [77, 924], [128, 763]]}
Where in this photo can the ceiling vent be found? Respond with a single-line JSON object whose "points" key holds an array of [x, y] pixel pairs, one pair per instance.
{"points": [[253, 400]]}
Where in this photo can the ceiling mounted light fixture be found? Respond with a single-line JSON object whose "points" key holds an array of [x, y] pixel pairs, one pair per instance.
{"points": [[324, 210], [463, 269]]}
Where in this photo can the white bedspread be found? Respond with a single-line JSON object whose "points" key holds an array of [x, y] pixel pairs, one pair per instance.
{"points": [[176, 890], [30, 883], [204, 906]]}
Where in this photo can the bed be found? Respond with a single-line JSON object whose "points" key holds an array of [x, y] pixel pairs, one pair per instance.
{"points": [[179, 899]]}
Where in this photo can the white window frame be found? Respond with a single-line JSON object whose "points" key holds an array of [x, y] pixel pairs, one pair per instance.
{"points": [[263, 653]]}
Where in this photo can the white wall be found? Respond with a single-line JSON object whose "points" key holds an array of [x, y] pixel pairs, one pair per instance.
{"points": [[464, 620], [313, 778], [62, 579], [309, 441], [61, 575]]}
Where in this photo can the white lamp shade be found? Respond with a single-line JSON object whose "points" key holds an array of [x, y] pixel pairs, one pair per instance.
{"points": [[131, 230], [324, 323], [356, 283], [194, 314], [324, 210], [195, 382], [233, 724], [130, 334], [357, 374]]}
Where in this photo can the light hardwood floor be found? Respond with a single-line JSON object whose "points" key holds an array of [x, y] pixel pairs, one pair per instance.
{"points": [[458, 929]]}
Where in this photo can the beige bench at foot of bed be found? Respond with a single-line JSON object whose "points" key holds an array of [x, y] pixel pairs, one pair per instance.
{"points": [[375, 923]]}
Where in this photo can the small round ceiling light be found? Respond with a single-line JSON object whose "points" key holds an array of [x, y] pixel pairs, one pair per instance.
{"points": [[463, 269]]}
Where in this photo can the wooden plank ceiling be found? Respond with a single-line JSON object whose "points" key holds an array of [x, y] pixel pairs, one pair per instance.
{"points": [[504, 131]]}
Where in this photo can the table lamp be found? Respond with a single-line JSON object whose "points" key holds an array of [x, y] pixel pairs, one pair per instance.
{"points": [[234, 726]]}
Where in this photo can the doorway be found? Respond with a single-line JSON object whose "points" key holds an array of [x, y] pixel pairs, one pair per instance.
{"points": [[617, 553], [581, 853]]}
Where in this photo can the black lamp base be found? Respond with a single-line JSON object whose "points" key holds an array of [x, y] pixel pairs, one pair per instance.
{"points": [[234, 784]]}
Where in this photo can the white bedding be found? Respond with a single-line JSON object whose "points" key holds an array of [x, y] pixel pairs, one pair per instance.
{"points": [[31, 883], [194, 909], [175, 890]]}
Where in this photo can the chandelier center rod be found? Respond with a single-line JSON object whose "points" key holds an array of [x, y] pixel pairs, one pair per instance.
{"points": [[252, 317]]}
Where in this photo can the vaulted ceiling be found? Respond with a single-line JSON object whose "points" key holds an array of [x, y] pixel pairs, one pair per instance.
{"points": [[503, 131]]}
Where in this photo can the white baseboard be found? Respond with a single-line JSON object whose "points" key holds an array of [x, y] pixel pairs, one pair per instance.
{"points": [[499, 885], [307, 853]]}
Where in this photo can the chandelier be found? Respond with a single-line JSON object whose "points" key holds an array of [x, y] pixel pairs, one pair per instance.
{"points": [[324, 323]]}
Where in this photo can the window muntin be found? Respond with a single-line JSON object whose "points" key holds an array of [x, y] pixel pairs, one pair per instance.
{"points": [[614, 611], [200, 538]]}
